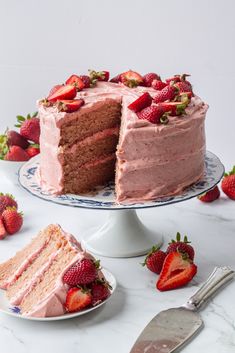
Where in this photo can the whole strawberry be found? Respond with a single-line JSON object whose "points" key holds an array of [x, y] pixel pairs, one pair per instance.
{"points": [[210, 195], [7, 200], [16, 154], [181, 246], [3, 232], [12, 220], [154, 114], [148, 79], [228, 184], [155, 259], [81, 273], [116, 79], [99, 75], [15, 139], [86, 80], [167, 93], [33, 150], [29, 127], [158, 85], [100, 291]]}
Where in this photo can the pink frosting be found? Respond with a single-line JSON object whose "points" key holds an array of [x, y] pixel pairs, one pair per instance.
{"points": [[150, 158], [53, 303]]}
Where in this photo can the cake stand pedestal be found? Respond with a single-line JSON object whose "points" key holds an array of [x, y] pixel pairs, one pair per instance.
{"points": [[123, 234]]}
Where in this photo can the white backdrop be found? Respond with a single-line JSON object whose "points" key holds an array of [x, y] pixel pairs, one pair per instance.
{"points": [[42, 42]]}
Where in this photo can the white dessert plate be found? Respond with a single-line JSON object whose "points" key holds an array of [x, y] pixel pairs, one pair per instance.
{"points": [[104, 198], [6, 308]]}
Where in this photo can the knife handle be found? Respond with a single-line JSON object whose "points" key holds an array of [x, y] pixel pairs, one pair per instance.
{"points": [[218, 278]]}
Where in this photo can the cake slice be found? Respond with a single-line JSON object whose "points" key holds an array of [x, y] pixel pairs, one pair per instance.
{"points": [[34, 277]]}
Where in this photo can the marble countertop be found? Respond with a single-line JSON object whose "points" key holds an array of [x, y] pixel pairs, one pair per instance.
{"points": [[115, 326]]}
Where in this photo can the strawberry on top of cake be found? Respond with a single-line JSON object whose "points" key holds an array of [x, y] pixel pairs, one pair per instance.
{"points": [[145, 133]]}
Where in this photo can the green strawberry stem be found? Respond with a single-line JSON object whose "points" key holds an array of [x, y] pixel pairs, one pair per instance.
{"points": [[3, 146], [20, 118], [231, 172]]}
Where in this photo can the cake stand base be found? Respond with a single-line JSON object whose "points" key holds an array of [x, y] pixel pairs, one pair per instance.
{"points": [[122, 235]]}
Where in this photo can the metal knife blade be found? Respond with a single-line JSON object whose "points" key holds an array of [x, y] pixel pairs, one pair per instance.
{"points": [[172, 328], [167, 331]]}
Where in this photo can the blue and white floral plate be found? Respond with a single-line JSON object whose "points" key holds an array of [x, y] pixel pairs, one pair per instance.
{"points": [[6, 308], [105, 197]]}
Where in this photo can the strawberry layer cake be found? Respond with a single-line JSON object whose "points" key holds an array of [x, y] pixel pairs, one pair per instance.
{"points": [[146, 134], [53, 275]]}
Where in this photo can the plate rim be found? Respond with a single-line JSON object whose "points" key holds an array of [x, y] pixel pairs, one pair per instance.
{"points": [[120, 207], [67, 316]]}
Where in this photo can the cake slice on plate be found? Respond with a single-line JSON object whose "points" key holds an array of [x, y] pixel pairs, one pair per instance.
{"points": [[40, 277]]}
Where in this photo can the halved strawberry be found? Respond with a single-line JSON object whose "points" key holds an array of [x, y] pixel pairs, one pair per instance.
{"points": [[70, 106], [54, 89], [176, 108], [210, 195], [75, 81], [131, 78], [177, 271], [77, 299], [63, 92], [140, 103]]}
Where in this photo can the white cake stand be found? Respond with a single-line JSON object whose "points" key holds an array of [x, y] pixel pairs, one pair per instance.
{"points": [[123, 234]]}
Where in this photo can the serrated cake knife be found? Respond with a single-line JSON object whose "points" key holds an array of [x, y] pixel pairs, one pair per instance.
{"points": [[171, 329]]}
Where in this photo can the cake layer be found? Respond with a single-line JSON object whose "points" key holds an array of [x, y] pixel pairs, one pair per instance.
{"points": [[90, 175], [29, 277], [141, 180], [90, 120], [62, 129], [15, 266], [47, 283], [165, 158], [90, 149]]}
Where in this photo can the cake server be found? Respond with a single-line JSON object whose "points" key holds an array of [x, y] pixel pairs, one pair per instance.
{"points": [[171, 329]]}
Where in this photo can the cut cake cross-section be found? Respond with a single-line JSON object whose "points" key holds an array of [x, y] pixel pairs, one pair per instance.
{"points": [[33, 278]]}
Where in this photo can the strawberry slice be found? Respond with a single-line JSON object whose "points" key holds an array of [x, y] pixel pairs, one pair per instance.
{"points": [[77, 299], [177, 271], [140, 103], [176, 108], [131, 78], [63, 92], [70, 106], [210, 195], [54, 89], [76, 81]]}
